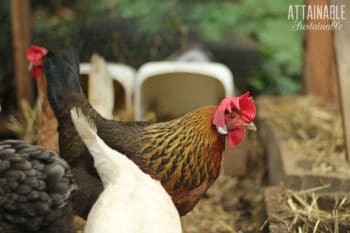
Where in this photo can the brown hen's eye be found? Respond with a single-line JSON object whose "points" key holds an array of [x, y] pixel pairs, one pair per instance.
{"points": [[232, 116]]}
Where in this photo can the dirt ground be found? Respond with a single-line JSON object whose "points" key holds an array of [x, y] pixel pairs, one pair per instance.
{"points": [[233, 204]]}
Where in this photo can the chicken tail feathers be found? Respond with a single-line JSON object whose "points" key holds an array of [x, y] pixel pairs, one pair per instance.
{"points": [[101, 153], [85, 126], [62, 72]]}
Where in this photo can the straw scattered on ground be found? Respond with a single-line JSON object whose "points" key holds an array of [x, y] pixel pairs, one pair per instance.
{"points": [[312, 212], [311, 129]]}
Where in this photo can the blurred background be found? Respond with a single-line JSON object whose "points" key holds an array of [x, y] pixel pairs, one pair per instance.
{"points": [[253, 38], [257, 43]]}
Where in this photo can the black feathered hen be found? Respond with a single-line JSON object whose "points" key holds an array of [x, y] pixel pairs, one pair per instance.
{"points": [[35, 188]]}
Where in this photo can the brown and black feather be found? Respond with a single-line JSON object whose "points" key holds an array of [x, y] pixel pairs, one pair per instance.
{"points": [[184, 154]]}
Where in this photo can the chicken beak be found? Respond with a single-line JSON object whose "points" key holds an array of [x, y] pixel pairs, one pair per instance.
{"points": [[250, 126]]}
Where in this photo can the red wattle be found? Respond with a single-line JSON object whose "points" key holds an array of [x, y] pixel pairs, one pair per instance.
{"points": [[37, 71], [235, 137]]}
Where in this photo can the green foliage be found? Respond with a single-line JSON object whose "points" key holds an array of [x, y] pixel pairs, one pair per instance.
{"points": [[264, 20], [279, 45], [212, 19], [55, 23], [282, 53]]}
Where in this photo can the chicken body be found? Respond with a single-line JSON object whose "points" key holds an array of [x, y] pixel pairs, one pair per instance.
{"points": [[131, 201], [182, 155], [101, 79], [185, 154], [46, 125], [35, 187], [47, 135]]}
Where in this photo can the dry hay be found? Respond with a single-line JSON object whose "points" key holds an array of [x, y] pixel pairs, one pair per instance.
{"points": [[210, 215], [311, 212], [315, 131], [24, 122]]}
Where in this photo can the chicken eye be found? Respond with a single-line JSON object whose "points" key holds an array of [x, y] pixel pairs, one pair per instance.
{"points": [[232, 116]]}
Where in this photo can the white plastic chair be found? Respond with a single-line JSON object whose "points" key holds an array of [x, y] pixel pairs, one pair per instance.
{"points": [[171, 89]]}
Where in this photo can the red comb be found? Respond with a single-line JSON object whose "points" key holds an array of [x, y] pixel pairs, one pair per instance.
{"points": [[35, 55], [244, 104]]}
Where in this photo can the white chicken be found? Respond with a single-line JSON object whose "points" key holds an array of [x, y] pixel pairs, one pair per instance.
{"points": [[131, 200], [101, 89]]}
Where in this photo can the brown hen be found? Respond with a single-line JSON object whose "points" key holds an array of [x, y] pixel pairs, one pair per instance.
{"points": [[185, 154]]}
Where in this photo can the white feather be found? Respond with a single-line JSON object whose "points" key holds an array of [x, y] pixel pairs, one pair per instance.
{"points": [[131, 202], [100, 88], [222, 130]]}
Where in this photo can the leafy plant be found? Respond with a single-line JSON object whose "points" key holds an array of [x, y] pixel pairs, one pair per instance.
{"points": [[264, 20], [279, 45]]}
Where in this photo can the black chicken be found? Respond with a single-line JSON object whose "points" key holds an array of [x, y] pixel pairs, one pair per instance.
{"points": [[35, 187]]}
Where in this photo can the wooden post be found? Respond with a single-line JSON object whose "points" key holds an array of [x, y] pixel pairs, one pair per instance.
{"points": [[320, 77], [342, 49], [20, 41]]}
